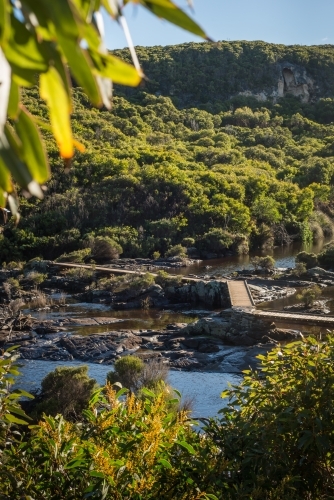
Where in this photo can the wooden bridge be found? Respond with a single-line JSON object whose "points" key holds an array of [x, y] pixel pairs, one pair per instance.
{"points": [[116, 270], [297, 318], [240, 297]]}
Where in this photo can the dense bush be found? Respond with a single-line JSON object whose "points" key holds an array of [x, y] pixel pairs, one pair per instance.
{"points": [[156, 174]]}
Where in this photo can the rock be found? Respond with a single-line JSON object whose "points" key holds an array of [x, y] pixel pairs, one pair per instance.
{"points": [[186, 364], [318, 271], [208, 348], [192, 343], [282, 334]]}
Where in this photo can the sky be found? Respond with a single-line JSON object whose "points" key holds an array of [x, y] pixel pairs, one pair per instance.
{"points": [[303, 22]]}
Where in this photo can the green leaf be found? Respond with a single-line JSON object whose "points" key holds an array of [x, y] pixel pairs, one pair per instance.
{"points": [[19, 411], [10, 151], [210, 496], [26, 394], [33, 149], [23, 49], [146, 392], [172, 13], [5, 180], [14, 99], [114, 68], [178, 393], [68, 36], [165, 463], [53, 90], [187, 446], [95, 473], [4, 22], [225, 394], [121, 392], [74, 464], [14, 420]]}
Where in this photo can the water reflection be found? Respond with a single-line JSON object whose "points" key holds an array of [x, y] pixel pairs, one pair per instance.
{"points": [[284, 256], [132, 319]]}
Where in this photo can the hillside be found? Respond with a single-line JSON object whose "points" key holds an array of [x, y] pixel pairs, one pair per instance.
{"points": [[202, 74], [160, 170]]}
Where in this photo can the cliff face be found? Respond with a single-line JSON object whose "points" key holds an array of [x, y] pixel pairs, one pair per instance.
{"points": [[194, 74]]}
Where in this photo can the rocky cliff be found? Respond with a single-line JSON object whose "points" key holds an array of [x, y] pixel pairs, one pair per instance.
{"points": [[201, 73]]}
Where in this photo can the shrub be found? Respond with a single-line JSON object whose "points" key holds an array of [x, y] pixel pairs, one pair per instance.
{"points": [[309, 295], [326, 257], [133, 449], [13, 265], [104, 248], [66, 390], [299, 269], [134, 374], [156, 255], [12, 284], [188, 242], [267, 262], [128, 370], [216, 240], [35, 278], [309, 259], [165, 279], [78, 256], [79, 273], [36, 264], [176, 251], [255, 261], [275, 438]]}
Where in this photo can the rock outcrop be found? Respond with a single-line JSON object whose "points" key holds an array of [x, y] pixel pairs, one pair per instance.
{"points": [[237, 326]]}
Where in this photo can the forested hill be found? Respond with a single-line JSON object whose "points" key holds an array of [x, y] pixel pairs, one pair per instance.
{"points": [[209, 74], [205, 168]]}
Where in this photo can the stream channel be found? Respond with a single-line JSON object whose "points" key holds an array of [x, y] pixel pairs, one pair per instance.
{"points": [[203, 388]]}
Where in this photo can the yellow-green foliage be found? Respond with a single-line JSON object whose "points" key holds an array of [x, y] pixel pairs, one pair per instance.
{"points": [[273, 440], [155, 174]]}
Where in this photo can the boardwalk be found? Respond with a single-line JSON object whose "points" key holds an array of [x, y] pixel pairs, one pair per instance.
{"points": [[109, 270], [240, 295], [305, 319]]}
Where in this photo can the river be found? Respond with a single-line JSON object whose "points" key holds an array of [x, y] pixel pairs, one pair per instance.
{"points": [[284, 257], [203, 388]]}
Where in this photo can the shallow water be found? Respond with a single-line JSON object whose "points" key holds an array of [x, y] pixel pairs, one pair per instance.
{"points": [[202, 388], [284, 256], [131, 319]]}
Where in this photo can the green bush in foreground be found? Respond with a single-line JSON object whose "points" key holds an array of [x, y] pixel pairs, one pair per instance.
{"points": [[277, 435], [273, 441]]}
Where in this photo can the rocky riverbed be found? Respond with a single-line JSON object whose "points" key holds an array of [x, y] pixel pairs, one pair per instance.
{"points": [[225, 341]]}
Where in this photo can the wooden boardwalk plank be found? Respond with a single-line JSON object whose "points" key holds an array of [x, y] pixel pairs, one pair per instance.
{"points": [[310, 319], [240, 295]]}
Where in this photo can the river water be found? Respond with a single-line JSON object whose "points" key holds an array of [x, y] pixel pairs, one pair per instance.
{"points": [[203, 388], [284, 257]]}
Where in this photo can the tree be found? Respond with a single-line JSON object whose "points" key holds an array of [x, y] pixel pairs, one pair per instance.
{"points": [[56, 41]]}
